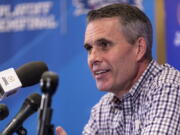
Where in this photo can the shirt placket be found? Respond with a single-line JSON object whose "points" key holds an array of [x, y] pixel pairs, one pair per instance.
{"points": [[128, 115]]}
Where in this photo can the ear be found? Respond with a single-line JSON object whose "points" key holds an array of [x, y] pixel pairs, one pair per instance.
{"points": [[141, 48]]}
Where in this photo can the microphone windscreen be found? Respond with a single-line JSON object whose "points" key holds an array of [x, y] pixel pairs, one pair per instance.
{"points": [[30, 74], [34, 101], [30, 106], [49, 82]]}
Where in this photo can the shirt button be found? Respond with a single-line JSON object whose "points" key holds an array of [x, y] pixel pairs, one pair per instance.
{"points": [[137, 124]]}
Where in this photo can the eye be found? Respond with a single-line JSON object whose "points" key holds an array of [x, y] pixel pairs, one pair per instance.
{"points": [[103, 43], [88, 47]]}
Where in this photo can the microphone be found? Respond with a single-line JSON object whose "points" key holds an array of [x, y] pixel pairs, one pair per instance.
{"points": [[48, 83], [4, 111], [30, 106], [27, 75]]}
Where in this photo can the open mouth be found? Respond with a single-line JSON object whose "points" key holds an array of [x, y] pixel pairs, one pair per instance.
{"points": [[99, 72]]}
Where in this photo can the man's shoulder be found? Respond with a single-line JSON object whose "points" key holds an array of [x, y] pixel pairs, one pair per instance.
{"points": [[168, 75], [163, 79], [160, 77]]}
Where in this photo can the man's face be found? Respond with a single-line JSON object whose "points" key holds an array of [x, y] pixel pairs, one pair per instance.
{"points": [[111, 59]]}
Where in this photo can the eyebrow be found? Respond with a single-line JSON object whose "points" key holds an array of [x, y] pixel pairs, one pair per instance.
{"points": [[99, 41], [103, 40]]}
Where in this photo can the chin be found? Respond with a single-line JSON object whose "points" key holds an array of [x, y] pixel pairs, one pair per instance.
{"points": [[102, 88], [103, 85]]}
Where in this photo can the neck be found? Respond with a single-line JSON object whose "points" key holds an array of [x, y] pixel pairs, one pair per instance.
{"points": [[141, 67]]}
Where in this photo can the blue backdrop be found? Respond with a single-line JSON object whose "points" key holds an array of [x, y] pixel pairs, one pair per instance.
{"points": [[172, 10], [53, 32]]}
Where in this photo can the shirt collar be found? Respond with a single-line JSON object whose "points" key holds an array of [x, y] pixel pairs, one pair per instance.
{"points": [[151, 71]]}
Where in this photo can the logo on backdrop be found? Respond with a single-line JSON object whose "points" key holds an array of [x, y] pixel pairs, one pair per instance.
{"points": [[177, 33], [177, 38], [27, 16], [83, 6]]}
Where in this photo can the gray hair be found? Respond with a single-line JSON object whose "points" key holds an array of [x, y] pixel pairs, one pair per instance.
{"points": [[135, 23]]}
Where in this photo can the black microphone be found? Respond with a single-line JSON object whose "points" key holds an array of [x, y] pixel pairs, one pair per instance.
{"points": [[30, 106], [4, 111], [48, 83], [27, 75]]}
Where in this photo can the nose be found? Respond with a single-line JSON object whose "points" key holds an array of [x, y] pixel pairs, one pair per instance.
{"points": [[94, 58]]}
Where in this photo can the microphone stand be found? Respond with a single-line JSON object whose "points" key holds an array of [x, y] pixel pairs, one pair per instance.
{"points": [[45, 113], [48, 82]]}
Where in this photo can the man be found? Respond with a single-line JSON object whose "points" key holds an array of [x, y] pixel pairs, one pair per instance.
{"points": [[143, 97]]}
